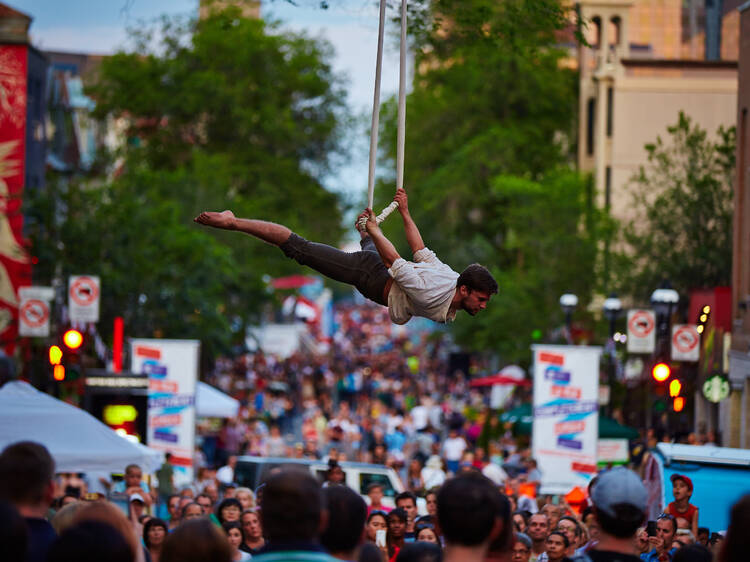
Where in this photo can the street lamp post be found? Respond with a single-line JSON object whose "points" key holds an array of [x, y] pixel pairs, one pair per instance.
{"points": [[612, 309], [569, 302]]}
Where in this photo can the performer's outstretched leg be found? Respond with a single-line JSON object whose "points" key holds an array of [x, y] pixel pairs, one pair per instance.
{"points": [[365, 270]]}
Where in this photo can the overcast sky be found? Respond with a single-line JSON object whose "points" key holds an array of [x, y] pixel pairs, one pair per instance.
{"points": [[100, 26]]}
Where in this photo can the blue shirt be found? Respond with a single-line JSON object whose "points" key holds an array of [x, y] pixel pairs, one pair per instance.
{"points": [[653, 556]]}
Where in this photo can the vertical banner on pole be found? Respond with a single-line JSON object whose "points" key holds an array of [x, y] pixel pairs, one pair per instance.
{"points": [[172, 369], [566, 415]]}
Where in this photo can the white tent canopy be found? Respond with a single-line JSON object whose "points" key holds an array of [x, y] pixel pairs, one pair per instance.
{"points": [[76, 440], [212, 403]]}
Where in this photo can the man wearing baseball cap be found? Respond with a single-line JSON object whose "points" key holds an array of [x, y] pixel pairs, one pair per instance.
{"points": [[682, 490], [619, 503]]}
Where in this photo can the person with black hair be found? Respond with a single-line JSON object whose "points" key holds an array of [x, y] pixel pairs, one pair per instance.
{"points": [[619, 502], [292, 514], [408, 502], [236, 538], [395, 539], [335, 474], [420, 552], [556, 545], [693, 553], [27, 473], [229, 509], [572, 529], [469, 512], [347, 513], [155, 532], [91, 541]]}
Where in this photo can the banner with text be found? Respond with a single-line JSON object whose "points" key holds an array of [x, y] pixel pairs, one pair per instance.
{"points": [[566, 415], [172, 369]]}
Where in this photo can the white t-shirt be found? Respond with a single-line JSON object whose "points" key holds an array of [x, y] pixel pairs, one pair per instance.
{"points": [[424, 287], [454, 448]]}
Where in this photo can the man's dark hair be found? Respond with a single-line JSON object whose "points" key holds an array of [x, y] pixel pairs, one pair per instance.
{"points": [[347, 513], [420, 552], [693, 553], [574, 521], [503, 543], [477, 278], [26, 470], [373, 485], [406, 496], [91, 541], [737, 540], [703, 530], [290, 506], [625, 523], [468, 506], [559, 533]]}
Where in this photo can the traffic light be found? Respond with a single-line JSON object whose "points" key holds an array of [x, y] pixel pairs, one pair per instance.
{"points": [[73, 339], [703, 318], [55, 355], [661, 371], [678, 403], [58, 372], [675, 386]]}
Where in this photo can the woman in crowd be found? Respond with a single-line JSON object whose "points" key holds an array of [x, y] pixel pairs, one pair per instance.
{"points": [[414, 480], [426, 533], [253, 532], [236, 538], [376, 521], [154, 533], [519, 521], [246, 498], [229, 509]]}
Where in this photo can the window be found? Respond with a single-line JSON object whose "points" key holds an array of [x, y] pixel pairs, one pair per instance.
{"points": [[608, 187], [590, 116], [366, 479], [610, 102]]}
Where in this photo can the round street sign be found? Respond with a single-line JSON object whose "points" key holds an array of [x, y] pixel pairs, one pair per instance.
{"points": [[685, 339], [84, 291], [34, 313], [716, 388], [641, 324]]}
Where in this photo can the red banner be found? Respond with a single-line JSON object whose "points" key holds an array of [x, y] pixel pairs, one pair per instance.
{"points": [[15, 265]]}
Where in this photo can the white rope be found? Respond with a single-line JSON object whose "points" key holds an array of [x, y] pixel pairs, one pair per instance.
{"points": [[376, 110], [401, 128]]}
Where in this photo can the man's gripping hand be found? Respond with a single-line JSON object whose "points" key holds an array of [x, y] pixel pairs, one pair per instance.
{"points": [[402, 200], [371, 224]]}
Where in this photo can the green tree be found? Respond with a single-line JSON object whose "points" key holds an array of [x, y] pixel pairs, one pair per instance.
{"points": [[683, 198], [222, 113], [490, 129]]}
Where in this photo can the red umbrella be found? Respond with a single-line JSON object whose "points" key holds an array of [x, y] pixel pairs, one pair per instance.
{"points": [[499, 379], [293, 282]]}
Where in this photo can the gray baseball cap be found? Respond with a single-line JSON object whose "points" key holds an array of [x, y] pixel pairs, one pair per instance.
{"points": [[619, 486]]}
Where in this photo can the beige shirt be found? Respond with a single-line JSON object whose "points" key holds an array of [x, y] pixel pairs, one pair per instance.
{"points": [[424, 287]]}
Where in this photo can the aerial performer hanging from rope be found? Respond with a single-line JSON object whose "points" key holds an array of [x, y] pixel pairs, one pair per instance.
{"points": [[424, 287]]}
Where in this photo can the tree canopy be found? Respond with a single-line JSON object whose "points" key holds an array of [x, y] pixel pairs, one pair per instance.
{"points": [[221, 113], [683, 198]]}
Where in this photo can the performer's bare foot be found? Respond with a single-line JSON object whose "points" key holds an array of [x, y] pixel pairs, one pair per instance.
{"points": [[225, 219]]}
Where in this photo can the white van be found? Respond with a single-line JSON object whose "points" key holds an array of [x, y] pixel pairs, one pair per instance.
{"points": [[253, 471]]}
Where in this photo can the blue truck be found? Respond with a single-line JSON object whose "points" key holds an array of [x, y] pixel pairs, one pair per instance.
{"points": [[720, 476]]}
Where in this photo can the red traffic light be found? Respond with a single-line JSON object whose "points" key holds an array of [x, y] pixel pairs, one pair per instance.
{"points": [[661, 372], [73, 339], [678, 404], [55, 355], [58, 372]]}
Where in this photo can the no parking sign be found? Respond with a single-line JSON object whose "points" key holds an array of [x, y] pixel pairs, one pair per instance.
{"points": [[83, 298], [685, 340], [641, 331], [33, 311]]}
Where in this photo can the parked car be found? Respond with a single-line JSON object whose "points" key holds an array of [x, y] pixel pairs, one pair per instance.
{"points": [[253, 471]]}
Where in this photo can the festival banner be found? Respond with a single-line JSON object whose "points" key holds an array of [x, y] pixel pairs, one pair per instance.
{"points": [[566, 415], [172, 369], [15, 264]]}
